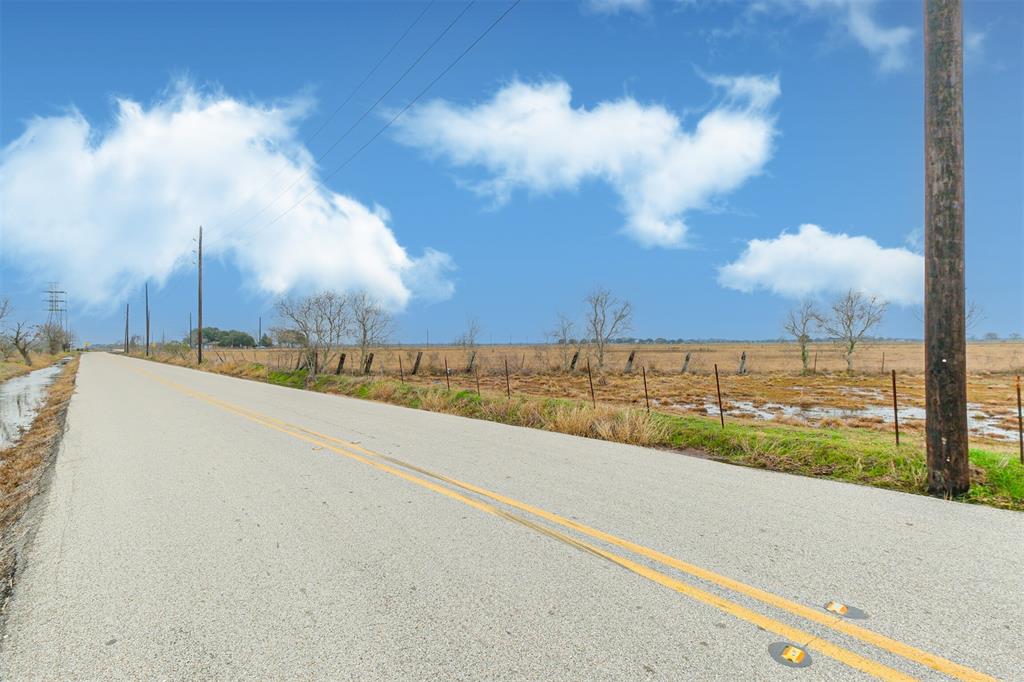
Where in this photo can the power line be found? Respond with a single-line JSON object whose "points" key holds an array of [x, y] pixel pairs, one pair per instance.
{"points": [[305, 173], [330, 117], [451, 65]]}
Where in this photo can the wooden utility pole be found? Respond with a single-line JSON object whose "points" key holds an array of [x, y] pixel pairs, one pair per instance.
{"points": [[945, 343], [259, 338], [199, 330], [147, 319], [126, 328]]}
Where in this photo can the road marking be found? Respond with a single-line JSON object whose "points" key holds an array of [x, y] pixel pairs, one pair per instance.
{"points": [[906, 651]]}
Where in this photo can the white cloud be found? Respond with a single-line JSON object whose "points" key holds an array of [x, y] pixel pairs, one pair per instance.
{"points": [[814, 262], [890, 45], [105, 210], [531, 136], [616, 6], [974, 46]]}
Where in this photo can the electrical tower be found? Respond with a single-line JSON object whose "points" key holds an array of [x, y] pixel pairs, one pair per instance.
{"points": [[57, 312]]}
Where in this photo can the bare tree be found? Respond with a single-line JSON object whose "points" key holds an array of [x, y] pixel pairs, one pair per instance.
{"points": [[562, 336], [54, 338], [468, 338], [22, 336], [5, 308], [798, 324], [852, 316], [319, 323], [606, 318], [372, 325]]}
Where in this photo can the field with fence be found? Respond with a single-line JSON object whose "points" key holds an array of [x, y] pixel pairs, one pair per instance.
{"points": [[771, 388]]}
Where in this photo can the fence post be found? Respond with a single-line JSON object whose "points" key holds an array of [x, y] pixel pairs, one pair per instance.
{"points": [[629, 362], [1020, 423], [647, 399], [686, 362], [883, 362], [416, 365], [895, 411], [447, 378], [478, 384], [815, 370], [575, 357], [401, 370], [718, 388], [341, 364], [508, 384], [590, 376], [369, 363]]}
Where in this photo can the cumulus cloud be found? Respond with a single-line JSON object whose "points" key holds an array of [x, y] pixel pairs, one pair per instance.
{"points": [[104, 210], [812, 262], [529, 135]]}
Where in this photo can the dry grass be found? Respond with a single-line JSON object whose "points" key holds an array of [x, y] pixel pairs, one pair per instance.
{"points": [[906, 357], [15, 366], [22, 467], [774, 388]]}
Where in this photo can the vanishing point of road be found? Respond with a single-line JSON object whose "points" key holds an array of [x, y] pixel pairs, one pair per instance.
{"points": [[197, 526]]}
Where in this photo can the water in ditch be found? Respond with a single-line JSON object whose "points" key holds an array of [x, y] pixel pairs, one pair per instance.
{"points": [[20, 400]]}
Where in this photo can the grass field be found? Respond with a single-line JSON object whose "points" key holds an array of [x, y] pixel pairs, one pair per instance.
{"points": [[772, 390]]}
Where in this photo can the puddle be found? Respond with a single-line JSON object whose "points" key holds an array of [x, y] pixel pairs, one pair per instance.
{"points": [[979, 422], [20, 400]]}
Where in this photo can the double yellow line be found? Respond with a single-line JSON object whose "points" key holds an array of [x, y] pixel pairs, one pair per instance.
{"points": [[433, 481]]}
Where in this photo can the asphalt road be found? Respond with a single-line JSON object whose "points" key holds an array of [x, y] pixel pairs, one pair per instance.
{"points": [[199, 527]]}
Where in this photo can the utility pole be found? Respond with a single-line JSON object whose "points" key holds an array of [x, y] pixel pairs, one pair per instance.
{"points": [[126, 329], [147, 319], [199, 333], [259, 337], [945, 343]]}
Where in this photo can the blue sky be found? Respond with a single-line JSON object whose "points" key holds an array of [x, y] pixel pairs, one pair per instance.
{"points": [[670, 152]]}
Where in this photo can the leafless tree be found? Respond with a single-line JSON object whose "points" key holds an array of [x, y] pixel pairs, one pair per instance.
{"points": [[54, 338], [799, 323], [469, 337], [562, 335], [606, 318], [852, 316], [5, 309], [372, 325], [975, 314], [22, 336], [319, 322]]}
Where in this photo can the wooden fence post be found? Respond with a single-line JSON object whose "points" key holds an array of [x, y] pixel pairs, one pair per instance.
{"points": [[718, 388], [508, 384], [590, 377], [629, 362], [895, 411], [647, 399], [447, 378], [401, 369]]}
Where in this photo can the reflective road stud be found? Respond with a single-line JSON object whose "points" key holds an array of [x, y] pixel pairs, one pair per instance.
{"points": [[789, 655], [837, 608]]}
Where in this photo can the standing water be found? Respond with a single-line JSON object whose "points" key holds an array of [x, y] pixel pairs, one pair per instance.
{"points": [[20, 400]]}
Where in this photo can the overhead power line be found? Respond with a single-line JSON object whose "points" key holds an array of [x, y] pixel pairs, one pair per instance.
{"points": [[306, 173], [309, 138], [320, 184]]}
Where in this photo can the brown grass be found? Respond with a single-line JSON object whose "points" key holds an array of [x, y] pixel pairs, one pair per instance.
{"points": [[23, 464], [774, 378]]}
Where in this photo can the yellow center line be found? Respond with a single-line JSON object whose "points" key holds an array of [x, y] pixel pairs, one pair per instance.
{"points": [[910, 653]]}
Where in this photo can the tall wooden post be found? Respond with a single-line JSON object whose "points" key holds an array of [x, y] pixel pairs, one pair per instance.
{"points": [[147, 319], [199, 330], [944, 315]]}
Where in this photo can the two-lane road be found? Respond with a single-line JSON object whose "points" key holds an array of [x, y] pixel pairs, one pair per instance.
{"points": [[198, 526]]}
